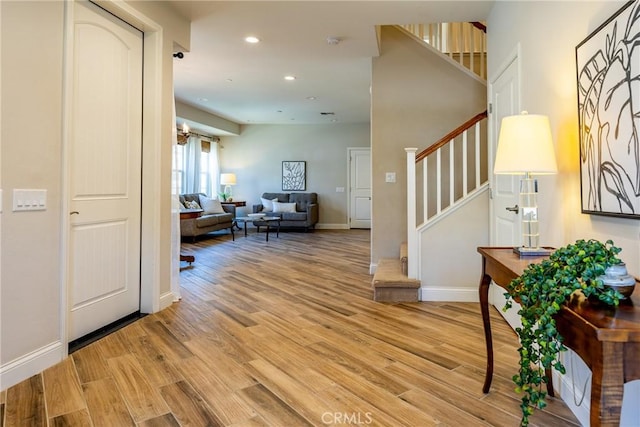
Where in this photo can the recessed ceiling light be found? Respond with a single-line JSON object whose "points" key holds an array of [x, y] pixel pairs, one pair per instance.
{"points": [[252, 39], [202, 99], [229, 80], [289, 78], [311, 98]]}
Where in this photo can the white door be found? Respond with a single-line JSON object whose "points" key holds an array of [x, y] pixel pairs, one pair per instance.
{"points": [[505, 101], [504, 92], [360, 187], [105, 170]]}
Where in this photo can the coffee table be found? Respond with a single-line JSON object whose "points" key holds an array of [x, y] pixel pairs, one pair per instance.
{"points": [[264, 221]]}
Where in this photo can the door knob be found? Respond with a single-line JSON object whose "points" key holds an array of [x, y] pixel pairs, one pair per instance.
{"points": [[514, 209]]}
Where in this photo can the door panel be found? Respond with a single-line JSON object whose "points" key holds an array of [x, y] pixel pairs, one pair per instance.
{"points": [[105, 170], [505, 102], [360, 188], [505, 225]]}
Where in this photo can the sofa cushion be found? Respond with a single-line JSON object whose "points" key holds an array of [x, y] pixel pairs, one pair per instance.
{"points": [[192, 204], [294, 216], [302, 200], [284, 207], [281, 197], [209, 220], [210, 206], [267, 205]]}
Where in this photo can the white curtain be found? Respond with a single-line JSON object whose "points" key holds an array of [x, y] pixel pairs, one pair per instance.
{"points": [[175, 217], [214, 167], [193, 150]]}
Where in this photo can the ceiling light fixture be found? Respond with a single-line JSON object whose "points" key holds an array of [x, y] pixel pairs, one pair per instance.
{"points": [[333, 40], [251, 39], [311, 98], [290, 78]]}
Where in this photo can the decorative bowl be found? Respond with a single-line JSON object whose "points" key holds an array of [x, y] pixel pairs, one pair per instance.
{"points": [[256, 215]]}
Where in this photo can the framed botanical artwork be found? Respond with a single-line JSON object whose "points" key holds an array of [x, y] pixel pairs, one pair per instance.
{"points": [[608, 73], [294, 176]]}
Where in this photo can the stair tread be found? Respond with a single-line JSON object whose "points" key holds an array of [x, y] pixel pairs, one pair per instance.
{"points": [[389, 275]]}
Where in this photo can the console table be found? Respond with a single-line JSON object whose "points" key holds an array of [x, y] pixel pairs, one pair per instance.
{"points": [[606, 338]]}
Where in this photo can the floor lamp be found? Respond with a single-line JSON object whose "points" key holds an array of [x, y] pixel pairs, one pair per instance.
{"points": [[525, 147]]}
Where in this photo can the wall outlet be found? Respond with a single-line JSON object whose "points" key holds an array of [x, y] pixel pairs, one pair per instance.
{"points": [[390, 177]]}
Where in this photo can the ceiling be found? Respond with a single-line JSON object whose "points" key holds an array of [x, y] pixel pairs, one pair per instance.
{"points": [[228, 77]]}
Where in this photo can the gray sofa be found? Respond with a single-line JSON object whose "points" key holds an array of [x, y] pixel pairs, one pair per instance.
{"points": [[204, 223], [305, 216]]}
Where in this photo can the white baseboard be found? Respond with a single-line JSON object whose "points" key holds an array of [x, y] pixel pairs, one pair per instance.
{"points": [[325, 226], [167, 299], [30, 364], [434, 293], [563, 387]]}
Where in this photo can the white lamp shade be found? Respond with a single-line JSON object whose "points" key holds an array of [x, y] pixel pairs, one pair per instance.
{"points": [[228, 179], [525, 146]]}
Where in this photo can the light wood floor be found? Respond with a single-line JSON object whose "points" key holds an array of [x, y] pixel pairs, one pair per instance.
{"points": [[283, 333]]}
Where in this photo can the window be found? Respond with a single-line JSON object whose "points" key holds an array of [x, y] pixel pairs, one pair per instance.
{"points": [[195, 166]]}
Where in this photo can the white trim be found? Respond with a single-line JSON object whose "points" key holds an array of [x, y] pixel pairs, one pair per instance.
{"points": [[168, 298], [444, 293], [372, 268], [563, 387], [17, 370]]}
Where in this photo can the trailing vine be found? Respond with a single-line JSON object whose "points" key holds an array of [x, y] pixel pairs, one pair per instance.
{"points": [[541, 290]]}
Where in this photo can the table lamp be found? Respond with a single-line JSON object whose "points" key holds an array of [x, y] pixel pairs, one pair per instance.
{"points": [[525, 148], [227, 179]]}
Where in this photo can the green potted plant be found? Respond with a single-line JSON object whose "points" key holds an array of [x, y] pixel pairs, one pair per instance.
{"points": [[541, 290]]}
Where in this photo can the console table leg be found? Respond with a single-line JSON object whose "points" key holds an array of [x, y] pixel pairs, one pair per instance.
{"points": [[485, 281], [607, 385]]}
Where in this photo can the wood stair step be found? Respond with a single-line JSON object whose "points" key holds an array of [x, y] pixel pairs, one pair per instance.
{"points": [[390, 284]]}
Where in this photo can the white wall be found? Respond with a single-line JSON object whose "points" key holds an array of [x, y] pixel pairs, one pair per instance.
{"points": [[32, 298], [454, 277], [256, 158], [548, 33]]}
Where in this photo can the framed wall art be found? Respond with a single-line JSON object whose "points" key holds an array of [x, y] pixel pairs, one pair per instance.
{"points": [[608, 74], [294, 175]]}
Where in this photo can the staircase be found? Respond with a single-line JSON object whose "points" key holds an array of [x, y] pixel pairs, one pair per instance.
{"points": [[391, 283], [444, 177]]}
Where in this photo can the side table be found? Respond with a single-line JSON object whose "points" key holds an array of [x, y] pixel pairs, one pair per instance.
{"points": [[606, 338]]}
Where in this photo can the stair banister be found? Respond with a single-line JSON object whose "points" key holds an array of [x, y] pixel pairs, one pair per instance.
{"points": [[412, 236]]}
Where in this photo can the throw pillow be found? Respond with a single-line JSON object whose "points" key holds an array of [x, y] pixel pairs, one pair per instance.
{"points": [[267, 205], [192, 205], [210, 206], [284, 207]]}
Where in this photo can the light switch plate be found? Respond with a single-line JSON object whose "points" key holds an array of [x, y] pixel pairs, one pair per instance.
{"points": [[339, 189], [390, 177], [29, 200]]}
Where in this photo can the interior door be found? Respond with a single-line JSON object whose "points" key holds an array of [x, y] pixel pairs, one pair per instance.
{"points": [[505, 224], [105, 170], [360, 188]]}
